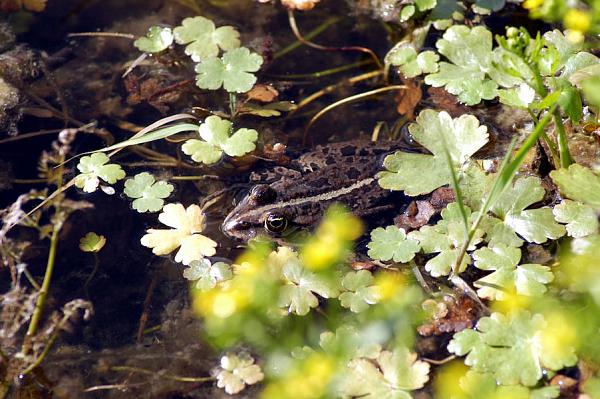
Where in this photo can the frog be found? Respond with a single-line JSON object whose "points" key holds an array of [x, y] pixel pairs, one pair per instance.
{"points": [[288, 199]]}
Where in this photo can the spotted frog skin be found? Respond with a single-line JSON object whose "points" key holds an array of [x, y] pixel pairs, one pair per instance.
{"points": [[292, 198]]}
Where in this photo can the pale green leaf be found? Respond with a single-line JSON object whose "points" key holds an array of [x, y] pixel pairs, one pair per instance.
{"points": [[149, 195], [581, 219], [207, 275], [204, 38], [407, 12], [509, 277], [503, 346], [474, 385], [359, 293], [156, 40], [578, 183], [92, 242], [392, 375], [420, 173], [425, 5], [299, 294], [519, 97], [535, 225], [233, 71], [405, 57], [392, 243], [95, 167], [237, 371]]}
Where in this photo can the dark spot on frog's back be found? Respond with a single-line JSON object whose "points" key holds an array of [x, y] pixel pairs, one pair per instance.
{"points": [[319, 183], [263, 194], [330, 161], [353, 173]]}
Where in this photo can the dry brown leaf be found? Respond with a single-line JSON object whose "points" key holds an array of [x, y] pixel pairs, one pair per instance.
{"points": [[262, 93], [408, 99], [34, 5]]}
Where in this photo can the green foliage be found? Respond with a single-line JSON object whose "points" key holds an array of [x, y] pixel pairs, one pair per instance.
{"points": [[237, 371], [392, 375], [219, 137], [417, 174], [207, 275], [92, 242], [581, 219], [299, 294], [148, 193], [534, 225], [579, 184], [359, 292], [391, 243], [205, 39], [411, 64], [502, 346], [233, 71], [96, 167], [445, 239], [156, 40], [509, 277]]}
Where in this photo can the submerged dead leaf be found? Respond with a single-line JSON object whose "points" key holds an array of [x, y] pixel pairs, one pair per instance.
{"points": [[459, 314], [416, 215], [408, 99], [262, 93], [17, 5]]}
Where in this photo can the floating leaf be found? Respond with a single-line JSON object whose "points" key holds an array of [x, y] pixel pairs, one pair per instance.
{"points": [[207, 275], [391, 243], [92, 242], [204, 38], [156, 40], [95, 167], [299, 294], [474, 385], [237, 371], [232, 71], [578, 183], [581, 219], [218, 138], [417, 174], [508, 276], [391, 376], [405, 57], [186, 224], [504, 347], [534, 225], [359, 291], [149, 195]]}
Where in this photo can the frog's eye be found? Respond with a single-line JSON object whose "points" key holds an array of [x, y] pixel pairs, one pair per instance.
{"points": [[263, 194], [276, 223]]}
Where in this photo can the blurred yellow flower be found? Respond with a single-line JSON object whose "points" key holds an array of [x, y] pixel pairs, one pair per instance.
{"points": [[446, 380], [577, 20], [532, 4], [388, 284]]}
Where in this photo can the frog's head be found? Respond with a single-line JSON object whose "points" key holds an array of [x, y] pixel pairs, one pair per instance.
{"points": [[259, 213]]}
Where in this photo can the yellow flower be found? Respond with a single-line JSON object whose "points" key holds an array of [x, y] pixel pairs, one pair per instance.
{"points": [[532, 4], [388, 285], [577, 20]]}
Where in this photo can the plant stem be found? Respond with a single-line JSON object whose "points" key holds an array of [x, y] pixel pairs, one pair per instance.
{"points": [[309, 36], [563, 145], [140, 370], [39, 305]]}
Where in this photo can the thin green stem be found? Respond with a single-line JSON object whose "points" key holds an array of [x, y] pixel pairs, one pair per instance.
{"points": [[309, 36], [326, 72], [563, 145]]}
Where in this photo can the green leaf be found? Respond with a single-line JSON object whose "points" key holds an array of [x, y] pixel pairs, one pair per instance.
{"points": [[534, 225], [359, 292], [578, 183], [232, 71], [494, 5], [503, 346], [407, 12], [391, 376], [149, 195], [92, 242], [299, 294], [95, 167], [207, 275], [470, 54], [446, 237], [156, 40], [218, 138], [205, 40], [237, 371], [417, 174], [570, 102], [509, 277], [565, 47], [581, 219], [392, 243], [519, 97], [425, 5]]}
